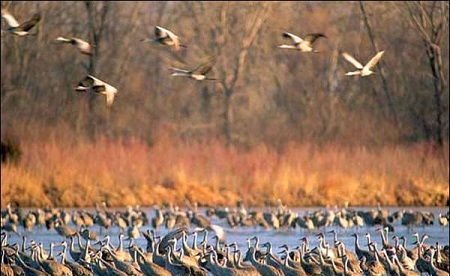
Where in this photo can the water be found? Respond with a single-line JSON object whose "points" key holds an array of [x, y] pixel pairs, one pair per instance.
{"points": [[290, 237]]}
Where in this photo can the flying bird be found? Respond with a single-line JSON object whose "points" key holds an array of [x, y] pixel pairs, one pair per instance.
{"points": [[83, 46], [165, 37], [19, 29], [92, 84], [303, 45], [362, 70], [198, 73]]}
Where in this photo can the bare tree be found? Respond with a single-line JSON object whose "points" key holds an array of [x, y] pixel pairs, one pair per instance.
{"points": [[231, 74], [380, 65], [430, 20], [96, 25]]}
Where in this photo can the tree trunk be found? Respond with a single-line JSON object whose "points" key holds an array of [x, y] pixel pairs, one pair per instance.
{"points": [[380, 65]]}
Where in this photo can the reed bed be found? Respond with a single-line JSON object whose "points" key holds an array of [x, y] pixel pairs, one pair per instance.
{"points": [[63, 173]]}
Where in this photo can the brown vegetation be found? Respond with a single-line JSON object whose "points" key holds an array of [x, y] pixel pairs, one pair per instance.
{"points": [[275, 124], [120, 172]]}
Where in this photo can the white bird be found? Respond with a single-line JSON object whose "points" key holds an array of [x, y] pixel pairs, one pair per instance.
{"points": [[198, 73], [165, 37], [83, 46], [19, 29], [92, 84], [303, 45], [362, 70]]}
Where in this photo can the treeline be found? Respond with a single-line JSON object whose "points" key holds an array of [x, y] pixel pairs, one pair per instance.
{"points": [[263, 94]]}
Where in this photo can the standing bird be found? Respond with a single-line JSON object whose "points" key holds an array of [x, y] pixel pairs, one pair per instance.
{"points": [[83, 46], [19, 29], [165, 37], [303, 45], [443, 220], [198, 73], [362, 70], [90, 83]]}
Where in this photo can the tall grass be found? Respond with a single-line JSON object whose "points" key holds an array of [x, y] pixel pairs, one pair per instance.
{"points": [[121, 172]]}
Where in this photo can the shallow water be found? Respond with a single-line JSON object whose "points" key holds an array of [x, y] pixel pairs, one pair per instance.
{"points": [[290, 237]]}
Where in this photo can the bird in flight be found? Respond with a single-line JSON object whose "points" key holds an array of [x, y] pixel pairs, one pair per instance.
{"points": [[198, 73], [19, 29], [303, 45], [362, 70], [92, 84], [83, 46], [165, 37]]}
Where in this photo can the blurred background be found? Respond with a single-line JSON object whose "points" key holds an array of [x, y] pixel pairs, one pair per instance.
{"points": [[276, 123]]}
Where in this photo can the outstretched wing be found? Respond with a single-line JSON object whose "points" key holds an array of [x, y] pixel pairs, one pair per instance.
{"points": [[177, 70], [295, 38], [160, 32], [12, 22], [313, 37], [28, 25], [109, 99], [99, 88], [204, 68], [88, 81], [352, 60], [374, 60]]}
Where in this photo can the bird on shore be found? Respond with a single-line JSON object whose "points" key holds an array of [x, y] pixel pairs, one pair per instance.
{"points": [[303, 45], [92, 84], [83, 46], [19, 29], [365, 70]]}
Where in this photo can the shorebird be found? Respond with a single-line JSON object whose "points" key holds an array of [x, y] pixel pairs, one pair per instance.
{"points": [[19, 29], [90, 83], [303, 45], [165, 37], [362, 70], [83, 46], [198, 73]]}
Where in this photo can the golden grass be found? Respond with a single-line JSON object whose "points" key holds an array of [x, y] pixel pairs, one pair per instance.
{"points": [[80, 174]]}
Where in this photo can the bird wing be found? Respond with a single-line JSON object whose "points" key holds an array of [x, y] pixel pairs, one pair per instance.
{"points": [[352, 60], [99, 88], [313, 37], [12, 22], [88, 81], [109, 98], [80, 43], [62, 39], [374, 60], [160, 32], [177, 70], [27, 25], [173, 37], [77, 41], [204, 68], [293, 37]]}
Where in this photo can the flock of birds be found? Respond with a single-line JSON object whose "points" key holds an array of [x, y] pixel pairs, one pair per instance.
{"points": [[172, 255], [166, 37], [280, 217]]}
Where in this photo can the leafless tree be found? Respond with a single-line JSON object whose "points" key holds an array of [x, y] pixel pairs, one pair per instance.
{"points": [[430, 20]]}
